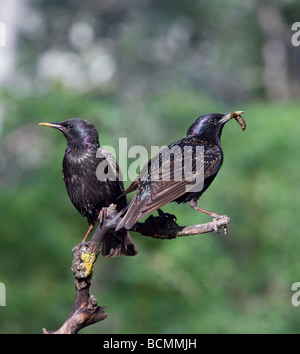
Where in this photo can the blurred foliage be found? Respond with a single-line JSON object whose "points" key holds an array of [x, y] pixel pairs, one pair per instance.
{"points": [[237, 283], [146, 70]]}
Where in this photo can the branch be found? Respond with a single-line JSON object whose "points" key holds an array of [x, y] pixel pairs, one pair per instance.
{"points": [[85, 308], [165, 227]]}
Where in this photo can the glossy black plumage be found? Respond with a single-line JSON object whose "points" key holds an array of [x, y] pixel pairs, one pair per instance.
{"points": [[87, 193], [153, 194]]}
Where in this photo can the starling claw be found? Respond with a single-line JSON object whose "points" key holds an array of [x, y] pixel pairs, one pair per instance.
{"points": [[215, 218], [220, 221], [77, 247], [83, 240]]}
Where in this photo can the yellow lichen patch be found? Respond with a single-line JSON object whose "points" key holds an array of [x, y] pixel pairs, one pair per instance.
{"points": [[88, 262]]}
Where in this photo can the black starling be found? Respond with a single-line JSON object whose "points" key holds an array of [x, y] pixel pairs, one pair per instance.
{"points": [[164, 180], [87, 193]]}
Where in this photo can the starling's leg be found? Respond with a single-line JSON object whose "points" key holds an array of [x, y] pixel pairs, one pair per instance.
{"points": [[75, 248], [88, 233], [101, 216], [215, 217]]}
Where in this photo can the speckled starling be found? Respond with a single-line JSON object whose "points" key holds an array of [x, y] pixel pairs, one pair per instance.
{"points": [[87, 193], [153, 193]]}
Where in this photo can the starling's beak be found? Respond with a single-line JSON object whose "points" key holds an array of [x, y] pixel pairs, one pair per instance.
{"points": [[52, 125], [231, 115], [236, 113]]}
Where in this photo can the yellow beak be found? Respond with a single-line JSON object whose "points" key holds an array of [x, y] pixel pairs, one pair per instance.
{"points": [[236, 113], [51, 125]]}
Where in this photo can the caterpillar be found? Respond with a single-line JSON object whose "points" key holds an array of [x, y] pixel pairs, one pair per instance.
{"points": [[237, 116]]}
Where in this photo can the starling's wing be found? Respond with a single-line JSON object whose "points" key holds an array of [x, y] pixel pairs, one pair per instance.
{"points": [[136, 182], [114, 172], [170, 181], [180, 182], [114, 169], [116, 243], [163, 160], [134, 186]]}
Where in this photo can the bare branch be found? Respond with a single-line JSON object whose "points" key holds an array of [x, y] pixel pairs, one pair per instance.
{"points": [[165, 227], [85, 308]]}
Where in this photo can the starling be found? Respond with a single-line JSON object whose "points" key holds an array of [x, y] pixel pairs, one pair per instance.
{"points": [[88, 193], [172, 183]]}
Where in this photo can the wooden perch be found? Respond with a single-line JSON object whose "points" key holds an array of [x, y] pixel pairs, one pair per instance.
{"points": [[85, 308], [165, 227]]}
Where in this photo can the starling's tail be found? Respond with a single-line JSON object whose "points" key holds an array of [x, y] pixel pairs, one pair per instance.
{"points": [[117, 243]]}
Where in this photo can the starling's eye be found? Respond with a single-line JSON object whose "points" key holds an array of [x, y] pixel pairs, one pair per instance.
{"points": [[71, 126], [211, 120]]}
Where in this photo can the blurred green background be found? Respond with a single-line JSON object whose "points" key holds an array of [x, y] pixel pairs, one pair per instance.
{"points": [[146, 70]]}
